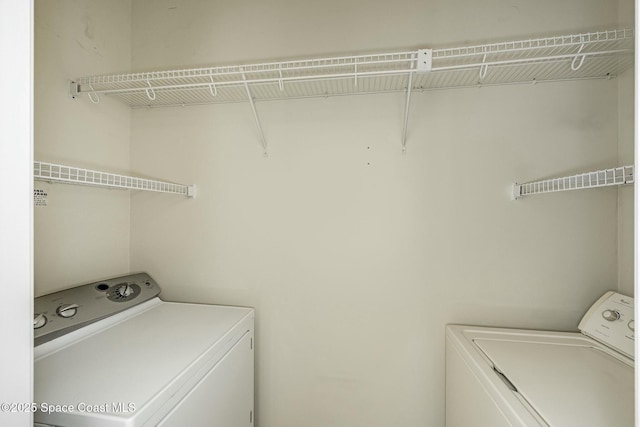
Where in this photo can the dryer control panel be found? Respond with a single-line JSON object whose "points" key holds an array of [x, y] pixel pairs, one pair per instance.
{"points": [[65, 311], [610, 320]]}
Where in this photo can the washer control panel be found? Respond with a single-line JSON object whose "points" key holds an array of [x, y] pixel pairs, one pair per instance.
{"points": [[610, 321], [62, 312]]}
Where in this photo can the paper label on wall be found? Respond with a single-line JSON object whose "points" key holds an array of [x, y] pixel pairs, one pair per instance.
{"points": [[39, 197]]}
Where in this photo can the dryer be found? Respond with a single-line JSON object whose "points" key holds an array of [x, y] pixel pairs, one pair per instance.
{"points": [[514, 377], [113, 354]]}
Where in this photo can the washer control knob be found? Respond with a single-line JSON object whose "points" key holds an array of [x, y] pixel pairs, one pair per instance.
{"points": [[611, 315], [124, 290], [39, 320], [632, 325], [67, 310]]}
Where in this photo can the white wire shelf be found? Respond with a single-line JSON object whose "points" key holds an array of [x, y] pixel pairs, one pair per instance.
{"points": [[603, 178], [602, 54], [594, 55], [71, 175]]}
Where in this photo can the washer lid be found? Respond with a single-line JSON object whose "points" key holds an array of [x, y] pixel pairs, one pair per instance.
{"points": [[567, 385]]}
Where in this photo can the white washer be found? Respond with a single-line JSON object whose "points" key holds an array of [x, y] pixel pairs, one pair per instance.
{"points": [[512, 377], [134, 360]]}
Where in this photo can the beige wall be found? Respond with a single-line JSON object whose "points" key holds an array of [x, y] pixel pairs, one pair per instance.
{"points": [[355, 256], [83, 233]]}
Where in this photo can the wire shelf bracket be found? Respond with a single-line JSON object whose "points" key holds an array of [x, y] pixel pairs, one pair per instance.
{"points": [[51, 172], [622, 175], [255, 116]]}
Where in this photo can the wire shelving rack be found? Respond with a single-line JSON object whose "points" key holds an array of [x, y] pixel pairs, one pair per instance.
{"points": [[601, 54], [592, 55], [51, 172], [602, 178]]}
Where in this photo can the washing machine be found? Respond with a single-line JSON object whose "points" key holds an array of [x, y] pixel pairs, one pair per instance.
{"points": [[513, 377]]}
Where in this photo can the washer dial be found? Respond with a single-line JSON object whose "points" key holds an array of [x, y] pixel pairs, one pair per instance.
{"points": [[611, 315]]}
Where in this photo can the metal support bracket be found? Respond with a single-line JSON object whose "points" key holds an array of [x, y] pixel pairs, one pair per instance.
{"points": [[255, 115], [74, 90], [423, 63], [515, 191], [406, 114], [425, 59]]}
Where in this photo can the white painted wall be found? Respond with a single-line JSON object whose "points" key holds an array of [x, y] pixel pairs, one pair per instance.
{"points": [[16, 213], [355, 256], [83, 233]]}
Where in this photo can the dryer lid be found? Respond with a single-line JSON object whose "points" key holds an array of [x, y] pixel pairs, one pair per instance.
{"points": [[567, 385], [128, 371]]}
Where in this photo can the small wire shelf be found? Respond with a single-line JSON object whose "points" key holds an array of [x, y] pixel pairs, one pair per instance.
{"points": [[602, 178], [71, 175], [602, 54]]}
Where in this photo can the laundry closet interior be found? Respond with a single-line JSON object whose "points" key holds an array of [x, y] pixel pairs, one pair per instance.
{"points": [[357, 217]]}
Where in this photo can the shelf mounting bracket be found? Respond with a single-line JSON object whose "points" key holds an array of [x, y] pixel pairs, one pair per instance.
{"points": [[423, 63], [406, 113], [74, 90], [255, 115]]}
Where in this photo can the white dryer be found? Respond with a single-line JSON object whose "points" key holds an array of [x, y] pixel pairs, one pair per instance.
{"points": [[512, 377], [113, 354]]}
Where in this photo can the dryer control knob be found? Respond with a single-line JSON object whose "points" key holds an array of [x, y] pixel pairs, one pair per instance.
{"points": [[632, 325], [611, 315], [124, 290], [67, 310], [39, 320]]}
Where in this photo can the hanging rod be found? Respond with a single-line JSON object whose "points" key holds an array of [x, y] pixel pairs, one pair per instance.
{"points": [[603, 178], [71, 175]]}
